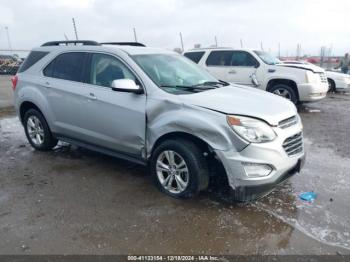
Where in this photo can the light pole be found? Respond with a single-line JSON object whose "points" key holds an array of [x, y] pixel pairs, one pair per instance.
{"points": [[8, 37], [135, 36]]}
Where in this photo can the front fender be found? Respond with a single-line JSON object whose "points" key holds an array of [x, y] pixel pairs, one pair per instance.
{"points": [[164, 117]]}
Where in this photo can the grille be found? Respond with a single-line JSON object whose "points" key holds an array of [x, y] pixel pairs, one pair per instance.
{"points": [[293, 144], [291, 121], [323, 77]]}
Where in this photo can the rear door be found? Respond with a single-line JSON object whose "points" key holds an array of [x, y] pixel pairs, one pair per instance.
{"points": [[66, 93]]}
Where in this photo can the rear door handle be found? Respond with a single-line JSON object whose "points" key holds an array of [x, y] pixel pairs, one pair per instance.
{"points": [[232, 72], [92, 96]]}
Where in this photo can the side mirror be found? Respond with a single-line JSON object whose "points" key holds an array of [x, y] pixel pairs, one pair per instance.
{"points": [[254, 80], [126, 85]]}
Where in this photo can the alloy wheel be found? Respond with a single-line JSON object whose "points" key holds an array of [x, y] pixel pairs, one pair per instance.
{"points": [[283, 92], [35, 130], [172, 172]]}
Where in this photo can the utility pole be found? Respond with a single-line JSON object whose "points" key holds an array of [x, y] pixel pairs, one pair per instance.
{"points": [[241, 43], [135, 36], [216, 42], [8, 37], [75, 29], [182, 43], [279, 50], [65, 36], [261, 45]]}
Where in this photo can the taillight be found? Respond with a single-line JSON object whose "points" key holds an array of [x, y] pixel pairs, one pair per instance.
{"points": [[14, 80]]}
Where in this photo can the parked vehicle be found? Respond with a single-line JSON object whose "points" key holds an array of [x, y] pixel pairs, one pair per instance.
{"points": [[157, 108], [298, 83], [337, 81], [9, 64]]}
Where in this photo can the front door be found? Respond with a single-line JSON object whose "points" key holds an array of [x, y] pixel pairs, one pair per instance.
{"points": [[115, 120]]}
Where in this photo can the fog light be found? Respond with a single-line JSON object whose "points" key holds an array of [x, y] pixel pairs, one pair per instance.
{"points": [[256, 169]]}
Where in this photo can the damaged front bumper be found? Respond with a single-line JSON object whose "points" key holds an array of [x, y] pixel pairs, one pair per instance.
{"points": [[269, 164]]}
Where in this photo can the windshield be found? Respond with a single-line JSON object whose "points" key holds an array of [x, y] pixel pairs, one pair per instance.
{"points": [[175, 73], [267, 58]]}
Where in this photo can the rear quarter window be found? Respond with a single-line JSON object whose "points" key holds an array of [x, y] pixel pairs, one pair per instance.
{"points": [[194, 56], [32, 58]]}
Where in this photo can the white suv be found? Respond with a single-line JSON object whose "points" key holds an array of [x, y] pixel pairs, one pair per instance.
{"points": [[299, 83]]}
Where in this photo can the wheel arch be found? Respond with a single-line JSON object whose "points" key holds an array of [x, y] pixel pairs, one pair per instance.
{"points": [[25, 106], [203, 145], [289, 82]]}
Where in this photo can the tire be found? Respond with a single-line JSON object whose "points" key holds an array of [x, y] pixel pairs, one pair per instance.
{"points": [[37, 131], [285, 91], [331, 86], [167, 178]]}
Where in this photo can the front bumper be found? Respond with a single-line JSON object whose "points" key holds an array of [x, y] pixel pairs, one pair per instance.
{"points": [[342, 85], [272, 153], [310, 92], [249, 193]]}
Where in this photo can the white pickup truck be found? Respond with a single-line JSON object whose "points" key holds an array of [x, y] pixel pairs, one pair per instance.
{"points": [[298, 83]]}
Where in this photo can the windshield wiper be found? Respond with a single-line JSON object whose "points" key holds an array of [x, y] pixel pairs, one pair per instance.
{"points": [[189, 88], [213, 83]]}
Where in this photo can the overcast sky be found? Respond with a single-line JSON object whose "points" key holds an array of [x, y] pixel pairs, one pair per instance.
{"points": [[312, 23]]}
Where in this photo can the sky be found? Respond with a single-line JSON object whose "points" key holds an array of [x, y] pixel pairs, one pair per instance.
{"points": [[158, 23]]}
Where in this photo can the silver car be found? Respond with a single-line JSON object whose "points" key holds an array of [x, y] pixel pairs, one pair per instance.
{"points": [[158, 108]]}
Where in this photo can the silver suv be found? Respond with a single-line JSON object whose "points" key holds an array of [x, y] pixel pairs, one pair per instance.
{"points": [[158, 108]]}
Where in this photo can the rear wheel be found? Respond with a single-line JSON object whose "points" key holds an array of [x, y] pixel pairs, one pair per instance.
{"points": [[37, 131], [285, 91], [331, 86], [179, 168]]}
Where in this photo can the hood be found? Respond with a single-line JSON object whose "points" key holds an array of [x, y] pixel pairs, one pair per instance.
{"points": [[337, 75], [313, 68], [245, 101]]}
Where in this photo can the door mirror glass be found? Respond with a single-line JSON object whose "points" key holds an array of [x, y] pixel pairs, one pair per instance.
{"points": [[254, 80], [126, 85]]}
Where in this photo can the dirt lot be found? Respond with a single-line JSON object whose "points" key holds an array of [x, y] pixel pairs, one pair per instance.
{"points": [[6, 93], [73, 201]]}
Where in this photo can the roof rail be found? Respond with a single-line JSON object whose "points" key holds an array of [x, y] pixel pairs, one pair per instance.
{"points": [[123, 43], [74, 42]]}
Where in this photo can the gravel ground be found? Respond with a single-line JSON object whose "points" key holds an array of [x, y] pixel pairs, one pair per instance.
{"points": [[74, 201]]}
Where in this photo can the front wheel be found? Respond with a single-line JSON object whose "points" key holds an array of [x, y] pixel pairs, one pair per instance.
{"points": [[331, 86], [285, 91], [179, 168]]}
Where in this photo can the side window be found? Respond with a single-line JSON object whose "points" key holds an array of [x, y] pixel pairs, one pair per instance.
{"points": [[241, 58], [106, 68], [68, 66], [219, 58], [194, 56]]}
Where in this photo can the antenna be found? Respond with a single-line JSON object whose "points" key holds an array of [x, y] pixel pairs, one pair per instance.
{"points": [[75, 29]]}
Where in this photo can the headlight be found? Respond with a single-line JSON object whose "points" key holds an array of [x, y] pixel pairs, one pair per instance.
{"points": [[311, 77], [251, 129]]}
